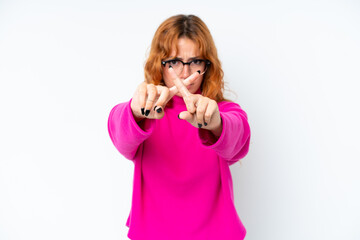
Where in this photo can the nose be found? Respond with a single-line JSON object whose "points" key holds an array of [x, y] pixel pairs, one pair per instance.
{"points": [[185, 72]]}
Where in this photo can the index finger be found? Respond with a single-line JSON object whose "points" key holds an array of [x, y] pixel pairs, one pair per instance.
{"points": [[178, 83], [186, 82], [165, 94]]}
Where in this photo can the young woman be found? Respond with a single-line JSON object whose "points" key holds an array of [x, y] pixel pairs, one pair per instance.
{"points": [[182, 135]]}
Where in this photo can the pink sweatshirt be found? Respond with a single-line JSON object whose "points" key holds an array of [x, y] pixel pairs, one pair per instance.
{"points": [[182, 188]]}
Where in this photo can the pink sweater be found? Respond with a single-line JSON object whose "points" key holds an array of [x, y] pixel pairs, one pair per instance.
{"points": [[182, 188]]}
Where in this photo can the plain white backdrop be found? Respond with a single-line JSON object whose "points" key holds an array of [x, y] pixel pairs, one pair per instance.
{"points": [[293, 66]]}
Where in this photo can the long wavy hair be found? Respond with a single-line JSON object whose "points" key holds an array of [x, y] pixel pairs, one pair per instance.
{"points": [[166, 38]]}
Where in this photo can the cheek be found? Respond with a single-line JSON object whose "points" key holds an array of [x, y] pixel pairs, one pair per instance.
{"points": [[198, 81]]}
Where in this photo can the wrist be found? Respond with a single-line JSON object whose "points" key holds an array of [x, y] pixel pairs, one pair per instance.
{"points": [[137, 118], [218, 130]]}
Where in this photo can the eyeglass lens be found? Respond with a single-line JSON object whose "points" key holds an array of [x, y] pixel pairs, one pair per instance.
{"points": [[195, 65]]}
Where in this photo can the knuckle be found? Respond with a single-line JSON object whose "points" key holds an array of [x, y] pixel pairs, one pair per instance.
{"points": [[166, 90], [200, 110], [142, 91], [149, 87]]}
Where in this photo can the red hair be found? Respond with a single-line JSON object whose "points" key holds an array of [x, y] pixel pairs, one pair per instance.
{"points": [[166, 38]]}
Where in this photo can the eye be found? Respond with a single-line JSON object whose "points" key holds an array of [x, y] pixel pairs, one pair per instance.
{"points": [[174, 62], [196, 61]]}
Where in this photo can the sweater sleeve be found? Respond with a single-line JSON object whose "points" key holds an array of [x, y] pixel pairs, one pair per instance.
{"points": [[124, 131], [233, 143]]}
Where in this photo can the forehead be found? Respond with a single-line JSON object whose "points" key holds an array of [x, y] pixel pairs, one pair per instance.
{"points": [[185, 48]]}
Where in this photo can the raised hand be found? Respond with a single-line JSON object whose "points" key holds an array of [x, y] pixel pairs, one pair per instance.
{"points": [[202, 112]]}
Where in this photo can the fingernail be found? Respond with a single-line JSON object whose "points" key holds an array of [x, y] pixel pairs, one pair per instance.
{"points": [[170, 66], [198, 71], [155, 107], [147, 112], [142, 111], [205, 123], [179, 116], [159, 110], [200, 125]]}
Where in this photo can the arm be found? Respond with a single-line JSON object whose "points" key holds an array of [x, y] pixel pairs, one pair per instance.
{"points": [[125, 132], [233, 142]]}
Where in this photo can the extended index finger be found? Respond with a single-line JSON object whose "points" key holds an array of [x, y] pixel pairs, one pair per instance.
{"points": [[179, 84], [186, 82]]}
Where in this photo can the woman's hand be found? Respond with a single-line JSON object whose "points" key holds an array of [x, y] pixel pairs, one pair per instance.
{"points": [[202, 112], [149, 100]]}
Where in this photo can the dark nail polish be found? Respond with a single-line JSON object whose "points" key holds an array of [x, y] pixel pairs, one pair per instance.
{"points": [[142, 111], [155, 107], [205, 123], [198, 71], [159, 110], [147, 112], [200, 125], [170, 66]]}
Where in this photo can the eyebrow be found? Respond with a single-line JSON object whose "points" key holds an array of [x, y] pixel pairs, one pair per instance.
{"points": [[192, 58]]}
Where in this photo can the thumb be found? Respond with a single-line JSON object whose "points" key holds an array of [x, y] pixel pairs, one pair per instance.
{"points": [[185, 115]]}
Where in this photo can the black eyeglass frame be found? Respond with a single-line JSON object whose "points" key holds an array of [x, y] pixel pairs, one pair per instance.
{"points": [[207, 63]]}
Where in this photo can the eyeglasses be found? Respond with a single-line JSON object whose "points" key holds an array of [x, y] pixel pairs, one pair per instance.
{"points": [[194, 65]]}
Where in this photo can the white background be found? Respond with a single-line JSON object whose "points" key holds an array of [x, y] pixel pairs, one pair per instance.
{"points": [[294, 66]]}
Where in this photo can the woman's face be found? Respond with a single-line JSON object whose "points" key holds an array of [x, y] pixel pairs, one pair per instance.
{"points": [[187, 51]]}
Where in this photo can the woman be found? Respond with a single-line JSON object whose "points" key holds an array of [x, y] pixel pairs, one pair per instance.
{"points": [[182, 136]]}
